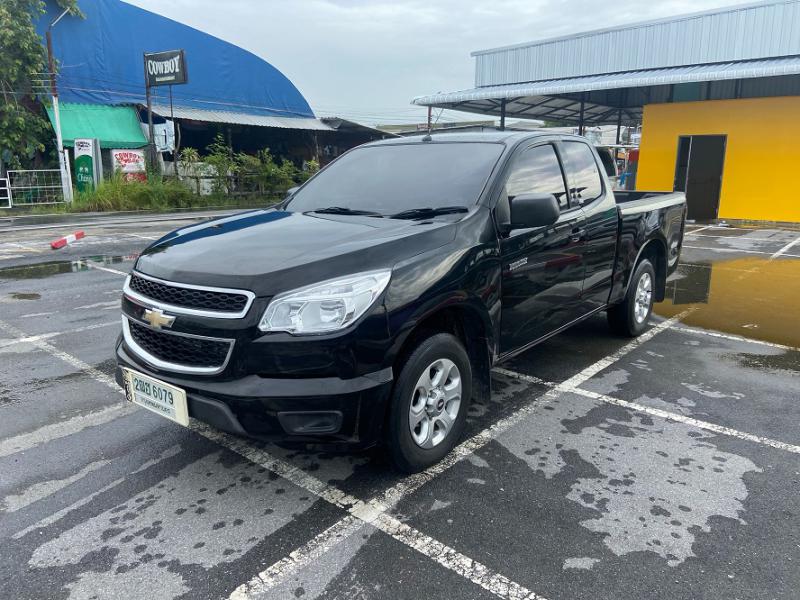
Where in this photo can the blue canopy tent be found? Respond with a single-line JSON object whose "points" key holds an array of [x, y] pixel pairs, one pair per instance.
{"points": [[100, 62]]}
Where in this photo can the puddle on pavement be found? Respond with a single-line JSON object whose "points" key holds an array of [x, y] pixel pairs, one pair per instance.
{"points": [[750, 297], [653, 485], [24, 296], [59, 267]]}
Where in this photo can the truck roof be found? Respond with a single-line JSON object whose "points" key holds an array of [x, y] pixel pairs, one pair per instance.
{"points": [[503, 137]]}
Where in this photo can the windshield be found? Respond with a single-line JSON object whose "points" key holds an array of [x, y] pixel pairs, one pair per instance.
{"points": [[390, 179]]}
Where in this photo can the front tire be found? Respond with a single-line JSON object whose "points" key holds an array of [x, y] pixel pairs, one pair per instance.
{"points": [[630, 317], [429, 403]]}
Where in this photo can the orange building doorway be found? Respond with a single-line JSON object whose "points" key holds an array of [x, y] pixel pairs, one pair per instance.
{"points": [[698, 173]]}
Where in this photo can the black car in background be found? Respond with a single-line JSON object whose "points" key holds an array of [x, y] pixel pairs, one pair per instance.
{"points": [[370, 305]]}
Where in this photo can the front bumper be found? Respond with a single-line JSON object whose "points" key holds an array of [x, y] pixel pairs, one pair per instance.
{"points": [[297, 409]]}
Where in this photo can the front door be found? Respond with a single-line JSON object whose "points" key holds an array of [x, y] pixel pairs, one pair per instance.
{"points": [[602, 221], [543, 267], [698, 173]]}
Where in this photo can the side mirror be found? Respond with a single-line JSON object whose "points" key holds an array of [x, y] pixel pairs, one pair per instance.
{"points": [[534, 210]]}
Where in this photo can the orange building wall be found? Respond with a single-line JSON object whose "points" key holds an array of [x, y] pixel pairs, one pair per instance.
{"points": [[761, 175]]}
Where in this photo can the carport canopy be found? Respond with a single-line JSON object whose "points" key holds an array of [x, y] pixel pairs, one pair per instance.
{"points": [[113, 126], [619, 98]]}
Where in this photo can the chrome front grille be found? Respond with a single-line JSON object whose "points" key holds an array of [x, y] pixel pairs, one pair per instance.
{"points": [[221, 303], [177, 351]]}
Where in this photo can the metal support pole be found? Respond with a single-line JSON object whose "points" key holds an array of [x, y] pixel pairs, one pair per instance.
{"points": [[580, 119], [619, 125], [503, 114], [151, 146], [66, 180], [430, 124]]}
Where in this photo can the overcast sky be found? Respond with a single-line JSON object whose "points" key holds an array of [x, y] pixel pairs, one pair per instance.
{"points": [[366, 59]]}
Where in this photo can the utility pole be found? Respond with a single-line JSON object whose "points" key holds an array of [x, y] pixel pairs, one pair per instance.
{"points": [[151, 146], [66, 181], [429, 119]]}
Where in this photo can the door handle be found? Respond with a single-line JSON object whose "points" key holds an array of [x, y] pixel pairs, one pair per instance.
{"points": [[577, 234]]}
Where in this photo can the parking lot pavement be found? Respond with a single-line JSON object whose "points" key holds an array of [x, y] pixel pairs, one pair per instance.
{"points": [[666, 466]]}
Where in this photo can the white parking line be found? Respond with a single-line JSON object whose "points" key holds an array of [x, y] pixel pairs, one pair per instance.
{"points": [[479, 574], [657, 412], [26, 247], [67, 358], [142, 237], [785, 249], [693, 231], [737, 250], [728, 237], [56, 516], [389, 498], [32, 339], [309, 552], [604, 363], [44, 489], [92, 265], [26, 441], [721, 429], [101, 305], [60, 429], [736, 338], [374, 512]]}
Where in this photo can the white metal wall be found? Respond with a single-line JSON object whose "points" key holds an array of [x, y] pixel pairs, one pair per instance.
{"points": [[744, 32]]}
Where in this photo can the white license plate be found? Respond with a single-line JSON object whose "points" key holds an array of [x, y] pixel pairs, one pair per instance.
{"points": [[161, 398]]}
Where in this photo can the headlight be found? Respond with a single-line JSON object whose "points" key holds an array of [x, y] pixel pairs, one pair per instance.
{"points": [[325, 306]]}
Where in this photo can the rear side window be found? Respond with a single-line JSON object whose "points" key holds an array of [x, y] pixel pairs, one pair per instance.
{"points": [[582, 172], [537, 171], [607, 158]]}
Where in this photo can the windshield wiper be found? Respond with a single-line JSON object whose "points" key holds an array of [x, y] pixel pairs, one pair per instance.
{"points": [[342, 210], [428, 211]]}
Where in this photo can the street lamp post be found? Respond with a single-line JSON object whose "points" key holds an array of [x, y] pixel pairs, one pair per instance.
{"points": [[66, 183]]}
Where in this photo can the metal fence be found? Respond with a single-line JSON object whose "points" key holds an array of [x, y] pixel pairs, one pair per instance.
{"points": [[35, 187], [240, 185], [5, 193]]}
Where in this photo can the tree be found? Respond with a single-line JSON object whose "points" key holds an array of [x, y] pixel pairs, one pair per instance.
{"points": [[24, 128]]}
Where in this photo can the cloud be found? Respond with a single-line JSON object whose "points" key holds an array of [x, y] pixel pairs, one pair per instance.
{"points": [[367, 59]]}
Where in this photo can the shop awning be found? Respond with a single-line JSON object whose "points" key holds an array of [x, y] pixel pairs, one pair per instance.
{"points": [[600, 98], [114, 126], [239, 118]]}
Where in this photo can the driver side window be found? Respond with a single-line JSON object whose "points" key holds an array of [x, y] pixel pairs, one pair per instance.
{"points": [[535, 171]]}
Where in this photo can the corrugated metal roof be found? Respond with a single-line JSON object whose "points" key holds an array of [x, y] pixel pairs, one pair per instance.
{"points": [[744, 32], [604, 95], [631, 79], [239, 118]]}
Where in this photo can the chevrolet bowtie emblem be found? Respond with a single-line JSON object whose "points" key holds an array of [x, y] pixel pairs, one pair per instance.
{"points": [[157, 318]]}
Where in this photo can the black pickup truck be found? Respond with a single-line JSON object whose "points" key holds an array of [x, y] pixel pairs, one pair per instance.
{"points": [[371, 304]]}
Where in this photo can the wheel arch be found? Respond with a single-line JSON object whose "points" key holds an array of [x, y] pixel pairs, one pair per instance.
{"points": [[655, 250], [469, 323]]}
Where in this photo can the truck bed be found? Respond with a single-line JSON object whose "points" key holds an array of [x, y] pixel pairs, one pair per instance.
{"points": [[647, 218]]}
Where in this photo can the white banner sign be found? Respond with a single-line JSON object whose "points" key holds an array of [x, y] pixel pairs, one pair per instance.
{"points": [[131, 163]]}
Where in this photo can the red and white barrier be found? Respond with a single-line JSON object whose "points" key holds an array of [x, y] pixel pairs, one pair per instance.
{"points": [[61, 242]]}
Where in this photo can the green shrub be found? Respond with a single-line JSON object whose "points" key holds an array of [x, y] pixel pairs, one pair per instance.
{"points": [[117, 194]]}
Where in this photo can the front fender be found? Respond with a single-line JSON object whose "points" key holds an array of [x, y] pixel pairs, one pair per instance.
{"points": [[466, 280]]}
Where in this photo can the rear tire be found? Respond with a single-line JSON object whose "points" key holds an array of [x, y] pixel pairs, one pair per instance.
{"points": [[630, 317], [429, 403]]}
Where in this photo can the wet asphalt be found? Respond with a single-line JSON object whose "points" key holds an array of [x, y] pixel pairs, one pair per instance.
{"points": [[664, 468]]}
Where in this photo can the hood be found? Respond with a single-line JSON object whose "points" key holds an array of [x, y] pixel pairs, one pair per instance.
{"points": [[269, 251]]}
